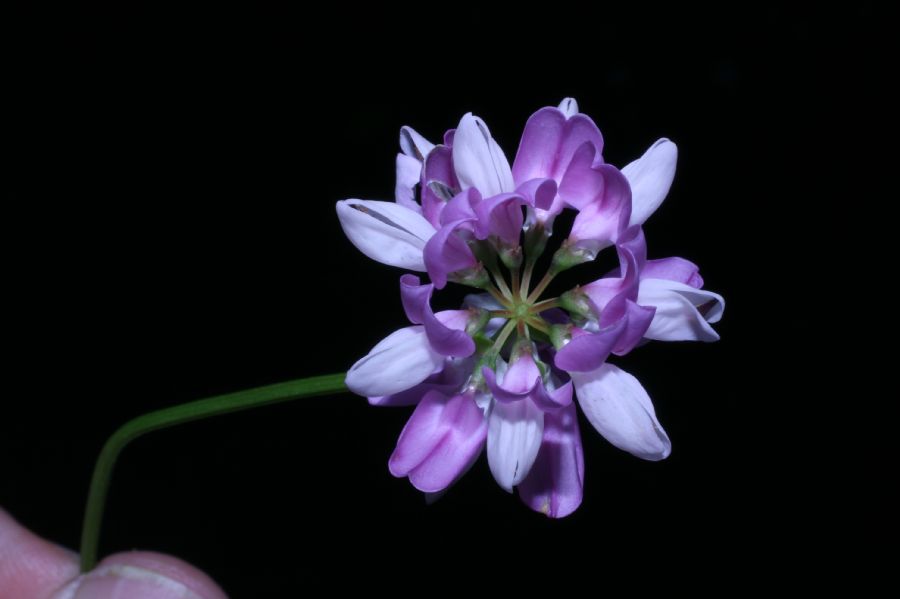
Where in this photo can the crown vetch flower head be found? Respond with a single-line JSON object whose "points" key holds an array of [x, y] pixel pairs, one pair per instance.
{"points": [[500, 374]]}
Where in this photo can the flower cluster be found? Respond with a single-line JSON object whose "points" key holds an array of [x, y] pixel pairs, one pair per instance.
{"points": [[502, 371]]}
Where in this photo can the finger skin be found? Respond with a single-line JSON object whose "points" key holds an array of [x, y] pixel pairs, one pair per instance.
{"points": [[32, 568]]}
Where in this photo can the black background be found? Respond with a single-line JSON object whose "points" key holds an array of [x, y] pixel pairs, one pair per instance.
{"points": [[177, 175]]}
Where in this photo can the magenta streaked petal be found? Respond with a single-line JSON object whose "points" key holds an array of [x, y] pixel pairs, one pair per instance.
{"points": [[555, 485], [582, 183], [500, 215], [518, 382], [415, 297], [446, 340], [588, 351], [522, 381], [673, 269], [637, 321], [613, 288], [449, 134], [440, 440], [454, 319], [478, 160], [439, 183], [550, 401], [650, 177], [549, 142], [632, 249], [602, 291], [539, 193], [620, 409], [446, 253], [600, 221], [462, 207]]}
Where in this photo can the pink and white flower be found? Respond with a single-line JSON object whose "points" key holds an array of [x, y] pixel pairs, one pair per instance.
{"points": [[501, 373]]}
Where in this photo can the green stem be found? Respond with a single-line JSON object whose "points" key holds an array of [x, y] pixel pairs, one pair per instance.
{"points": [[504, 335], [541, 287], [500, 281], [536, 322], [545, 305], [526, 278], [194, 410], [503, 301]]}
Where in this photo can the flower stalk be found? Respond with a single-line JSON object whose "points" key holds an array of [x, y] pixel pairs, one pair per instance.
{"points": [[181, 414]]}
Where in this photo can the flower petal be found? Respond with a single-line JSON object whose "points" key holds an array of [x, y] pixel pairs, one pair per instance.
{"points": [[673, 269], [386, 232], [439, 442], [539, 193], [409, 172], [588, 351], [414, 145], [400, 361], [447, 381], [555, 484], [601, 219], [651, 177], [683, 313], [446, 340], [478, 160], [550, 141], [439, 183], [619, 408], [446, 253], [500, 215], [523, 381], [637, 321], [513, 440], [462, 207], [568, 107]]}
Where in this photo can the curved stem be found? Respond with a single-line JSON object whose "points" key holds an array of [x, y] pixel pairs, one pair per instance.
{"points": [[194, 410]]}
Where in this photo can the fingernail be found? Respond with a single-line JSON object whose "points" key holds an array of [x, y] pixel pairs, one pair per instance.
{"points": [[121, 581]]}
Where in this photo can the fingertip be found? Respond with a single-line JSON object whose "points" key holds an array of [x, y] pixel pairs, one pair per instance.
{"points": [[169, 567], [29, 565]]}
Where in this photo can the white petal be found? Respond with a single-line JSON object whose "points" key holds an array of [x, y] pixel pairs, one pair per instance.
{"points": [[514, 437], [650, 177], [413, 144], [478, 160], [677, 317], [409, 173], [400, 361], [619, 408], [386, 231], [569, 107]]}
